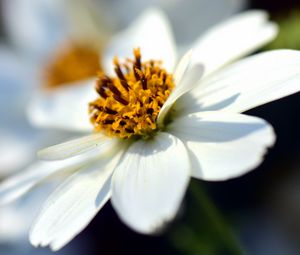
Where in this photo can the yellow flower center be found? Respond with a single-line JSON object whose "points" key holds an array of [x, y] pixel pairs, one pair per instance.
{"points": [[129, 104], [71, 63]]}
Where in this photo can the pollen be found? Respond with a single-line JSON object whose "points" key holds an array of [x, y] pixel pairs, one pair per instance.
{"points": [[71, 63], [129, 103]]}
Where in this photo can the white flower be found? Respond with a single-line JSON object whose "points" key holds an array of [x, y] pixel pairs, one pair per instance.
{"points": [[16, 217], [205, 135]]}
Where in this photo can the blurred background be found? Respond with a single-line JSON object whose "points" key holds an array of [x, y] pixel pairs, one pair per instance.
{"points": [[260, 211]]}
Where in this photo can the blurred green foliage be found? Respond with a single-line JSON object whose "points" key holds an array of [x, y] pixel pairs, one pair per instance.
{"points": [[289, 31], [203, 229]]}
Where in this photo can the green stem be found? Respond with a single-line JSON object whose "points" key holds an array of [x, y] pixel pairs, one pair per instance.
{"points": [[203, 230], [215, 219]]}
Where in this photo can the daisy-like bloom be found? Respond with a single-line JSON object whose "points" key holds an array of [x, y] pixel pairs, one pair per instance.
{"points": [[152, 126], [16, 217]]}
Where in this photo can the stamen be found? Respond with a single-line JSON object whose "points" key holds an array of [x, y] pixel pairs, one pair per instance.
{"points": [[136, 74], [113, 89], [110, 111], [142, 78], [120, 99], [125, 84], [137, 54], [101, 90], [130, 102], [120, 74], [108, 122], [122, 78]]}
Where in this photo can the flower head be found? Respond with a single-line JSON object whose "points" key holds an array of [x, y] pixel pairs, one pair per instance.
{"points": [[128, 105], [189, 118]]}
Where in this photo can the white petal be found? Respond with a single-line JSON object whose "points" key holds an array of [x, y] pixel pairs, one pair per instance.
{"points": [[16, 218], [96, 141], [182, 66], [149, 183], [233, 39], [189, 17], [73, 205], [152, 33], [223, 145], [248, 83], [64, 108], [190, 80], [17, 185], [39, 25]]}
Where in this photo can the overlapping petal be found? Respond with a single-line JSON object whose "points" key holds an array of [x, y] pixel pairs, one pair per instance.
{"points": [[223, 145], [95, 142], [190, 79], [73, 205], [251, 82], [152, 33], [17, 185], [16, 217], [232, 39], [149, 183], [64, 108]]}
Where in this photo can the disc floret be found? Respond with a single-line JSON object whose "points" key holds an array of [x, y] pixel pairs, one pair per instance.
{"points": [[129, 104]]}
